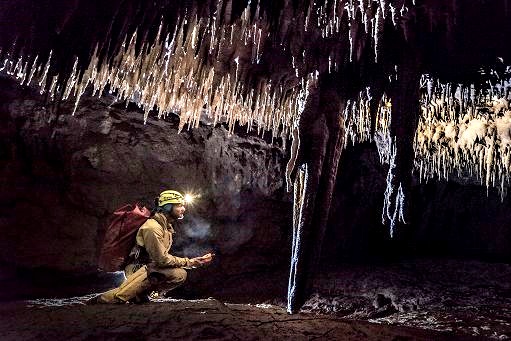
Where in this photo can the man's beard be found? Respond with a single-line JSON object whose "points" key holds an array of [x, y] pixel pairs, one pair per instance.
{"points": [[176, 217]]}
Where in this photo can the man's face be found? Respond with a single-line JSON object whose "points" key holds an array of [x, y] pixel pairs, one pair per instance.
{"points": [[178, 211]]}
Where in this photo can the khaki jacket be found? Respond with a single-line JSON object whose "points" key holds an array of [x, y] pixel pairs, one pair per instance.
{"points": [[155, 235]]}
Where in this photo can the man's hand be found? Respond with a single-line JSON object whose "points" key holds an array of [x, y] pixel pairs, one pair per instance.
{"points": [[202, 260]]}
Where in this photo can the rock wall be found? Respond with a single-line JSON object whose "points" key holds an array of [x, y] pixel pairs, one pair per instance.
{"points": [[459, 218], [62, 175]]}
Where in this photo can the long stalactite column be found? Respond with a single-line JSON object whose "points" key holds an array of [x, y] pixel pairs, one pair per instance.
{"points": [[320, 152], [405, 113], [311, 155]]}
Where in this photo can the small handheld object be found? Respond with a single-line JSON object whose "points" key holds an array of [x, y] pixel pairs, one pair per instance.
{"points": [[209, 255]]}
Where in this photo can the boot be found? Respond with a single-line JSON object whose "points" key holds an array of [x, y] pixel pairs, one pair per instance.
{"points": [[134, 286]]}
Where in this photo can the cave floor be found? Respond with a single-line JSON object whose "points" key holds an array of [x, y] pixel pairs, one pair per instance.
{"points": [[462, 296], [164, 319], [419, 299]]}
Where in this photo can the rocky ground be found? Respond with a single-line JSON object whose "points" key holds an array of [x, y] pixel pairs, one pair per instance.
{"points": [[170, 319], [406, 300], [467, 297]]}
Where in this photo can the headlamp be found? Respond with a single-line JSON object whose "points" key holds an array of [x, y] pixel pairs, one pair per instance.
{"points": [[189, 198]]}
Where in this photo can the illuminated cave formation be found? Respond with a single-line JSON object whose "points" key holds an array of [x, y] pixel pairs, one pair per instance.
{"points": [[405, 74]]}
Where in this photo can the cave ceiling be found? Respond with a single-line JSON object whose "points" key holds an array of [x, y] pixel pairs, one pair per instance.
{"points": [[427, 81]]}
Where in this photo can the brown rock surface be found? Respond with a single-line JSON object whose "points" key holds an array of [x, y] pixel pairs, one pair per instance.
{"points": [[62, 175], [461, 296], [186, 320]]}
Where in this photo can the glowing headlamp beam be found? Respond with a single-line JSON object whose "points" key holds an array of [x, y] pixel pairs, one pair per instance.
{"points": [[189, 198]]}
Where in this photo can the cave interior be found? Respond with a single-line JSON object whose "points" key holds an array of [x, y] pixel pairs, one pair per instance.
{"points": [[349, 157]]}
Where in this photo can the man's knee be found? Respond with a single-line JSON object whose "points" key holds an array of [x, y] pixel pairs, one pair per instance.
{"points": [[179, 275], [175, 275], [156, 278], [130, 269]]}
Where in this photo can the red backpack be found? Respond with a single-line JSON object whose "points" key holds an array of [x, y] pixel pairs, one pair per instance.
{"points": [[120, 236]]}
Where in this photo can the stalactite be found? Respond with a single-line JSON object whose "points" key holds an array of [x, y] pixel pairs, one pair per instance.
{"points": [[300, 188], [291, 164], [167, 74], [313, 135], [42, 81], [394, 200], [326, 115], [471, 134], [404, 92], [189, 84]]}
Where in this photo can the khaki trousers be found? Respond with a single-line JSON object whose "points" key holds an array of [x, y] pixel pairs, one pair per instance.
{"points": [[140, 280]]}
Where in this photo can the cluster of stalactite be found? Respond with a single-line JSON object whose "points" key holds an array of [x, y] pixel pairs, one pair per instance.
{"points": [[172, 74], [185, 69], [371, 13], [465, 131], [359, 128]]}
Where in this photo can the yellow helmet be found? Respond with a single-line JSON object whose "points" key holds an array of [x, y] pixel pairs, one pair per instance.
{"points": [[170, 197]]}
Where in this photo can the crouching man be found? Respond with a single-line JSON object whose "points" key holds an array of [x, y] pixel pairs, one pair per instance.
{"points": [[151, 266]]}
